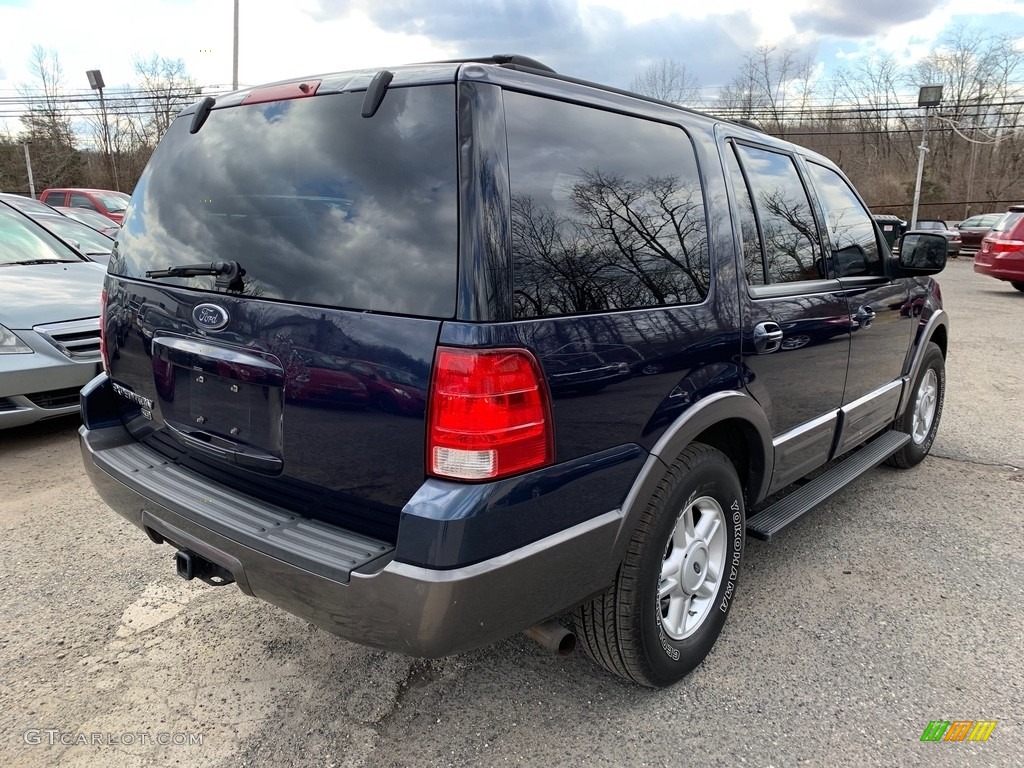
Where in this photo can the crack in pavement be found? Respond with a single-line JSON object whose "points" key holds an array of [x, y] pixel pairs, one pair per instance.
{"points": [[976, 462]]}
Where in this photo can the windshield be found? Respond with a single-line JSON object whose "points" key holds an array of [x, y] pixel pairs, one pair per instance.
{"points": [[115, 202], [21, 240], [93, 219], [26, 204], [88, 239], [316, 203]]}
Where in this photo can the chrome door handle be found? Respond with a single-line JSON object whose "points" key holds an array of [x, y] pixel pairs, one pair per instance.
{"points": [[767, 338], [864, 316]]}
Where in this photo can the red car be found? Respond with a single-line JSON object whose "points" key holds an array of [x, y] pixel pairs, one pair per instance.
{"points": [[104, 201], [1002, 250]]}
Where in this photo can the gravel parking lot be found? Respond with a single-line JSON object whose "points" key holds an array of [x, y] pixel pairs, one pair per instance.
{"points": [[898, 602]]}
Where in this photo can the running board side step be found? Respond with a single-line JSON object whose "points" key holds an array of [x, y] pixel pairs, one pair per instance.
{"points": [[765, 524]]}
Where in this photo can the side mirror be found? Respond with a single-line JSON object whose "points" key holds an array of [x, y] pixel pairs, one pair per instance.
{"points": [[923, 253]]}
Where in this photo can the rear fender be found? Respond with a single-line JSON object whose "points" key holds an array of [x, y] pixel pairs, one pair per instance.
{"points": [[733, 406]]}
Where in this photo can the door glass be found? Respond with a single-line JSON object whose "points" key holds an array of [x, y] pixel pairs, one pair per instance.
{"points": [[81, 201], [850, 230], [753, 256], [787, 225]]}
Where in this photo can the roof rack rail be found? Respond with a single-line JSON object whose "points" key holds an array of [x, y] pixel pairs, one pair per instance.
{"points": [[511, 60], [746, 123]]}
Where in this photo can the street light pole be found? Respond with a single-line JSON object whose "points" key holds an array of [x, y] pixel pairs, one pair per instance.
{"points": [[922, 150], [97, 84], [28, 165], [929, 96]]}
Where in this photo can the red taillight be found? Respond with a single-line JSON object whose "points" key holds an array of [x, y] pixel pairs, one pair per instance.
{"points": [[103, 329], [489, 414], [999, 247]]}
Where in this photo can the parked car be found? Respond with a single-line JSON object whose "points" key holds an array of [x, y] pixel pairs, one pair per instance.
{"points": [[104, 201], [952, 235], [79, 236], [49, 322], [27, 205], [97, 221], [471, 228], [1002, 250], [972, 230]]}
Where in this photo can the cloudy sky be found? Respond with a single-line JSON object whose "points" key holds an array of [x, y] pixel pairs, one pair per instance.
{"points": [[609, 41]]}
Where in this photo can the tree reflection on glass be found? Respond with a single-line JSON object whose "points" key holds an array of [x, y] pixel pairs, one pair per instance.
{"points": [[616, 243], [787, 226]]}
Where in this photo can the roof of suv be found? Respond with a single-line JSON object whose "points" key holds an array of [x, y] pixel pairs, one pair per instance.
{"points": [[435, 72]]}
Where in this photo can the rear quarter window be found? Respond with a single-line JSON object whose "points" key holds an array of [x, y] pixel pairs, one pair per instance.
{"points": [[607, 210]]}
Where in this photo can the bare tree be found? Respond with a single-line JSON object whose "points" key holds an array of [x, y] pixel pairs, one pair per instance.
{"points": [[167, 89], [47, 123], [668, 80], [138, 117]]}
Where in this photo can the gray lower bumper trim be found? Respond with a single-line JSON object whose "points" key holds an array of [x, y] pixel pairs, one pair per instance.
{"points": [[296, 564], [310, 544]]}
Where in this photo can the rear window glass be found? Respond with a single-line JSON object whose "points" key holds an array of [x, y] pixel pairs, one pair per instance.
{"points": [[318, 204], [1008, 221]]}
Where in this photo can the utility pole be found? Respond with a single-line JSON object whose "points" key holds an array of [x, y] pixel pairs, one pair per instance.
{"points": [[929, 96], [28, 165], [234, 54]]}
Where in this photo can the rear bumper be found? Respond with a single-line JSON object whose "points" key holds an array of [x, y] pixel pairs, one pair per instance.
{"points": [[1005, 266], [350, 585]]}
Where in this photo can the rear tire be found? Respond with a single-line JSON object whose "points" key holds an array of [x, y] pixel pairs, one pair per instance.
{"points": [[1018, 286], [675, 586], [924, 411]]}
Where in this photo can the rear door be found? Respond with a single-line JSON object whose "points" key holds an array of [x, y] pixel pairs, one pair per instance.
{"points": [[797, 324]]}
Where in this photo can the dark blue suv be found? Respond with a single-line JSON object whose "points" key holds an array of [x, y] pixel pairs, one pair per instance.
{"points": [[433, 355]]}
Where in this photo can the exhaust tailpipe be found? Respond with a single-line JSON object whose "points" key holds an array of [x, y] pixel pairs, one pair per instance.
{"points": [[553, 637]]}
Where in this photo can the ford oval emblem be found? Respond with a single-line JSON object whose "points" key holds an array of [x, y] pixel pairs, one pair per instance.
{"points": [[210, 317]]}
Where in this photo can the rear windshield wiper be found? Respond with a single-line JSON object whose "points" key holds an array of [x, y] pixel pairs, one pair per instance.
{"points": [[228, 273]]}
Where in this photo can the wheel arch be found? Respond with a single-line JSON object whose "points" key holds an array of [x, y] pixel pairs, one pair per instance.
{"points": [[734, 423], [935, 330]]}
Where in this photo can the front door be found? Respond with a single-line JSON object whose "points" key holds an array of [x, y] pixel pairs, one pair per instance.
{"points": [[797, 324], [881, 313]]}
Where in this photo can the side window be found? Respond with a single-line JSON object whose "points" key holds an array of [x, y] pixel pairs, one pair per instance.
{"points": [[784, 212], [850, 230], [753, 255], [79, 200], [607, 210]]}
